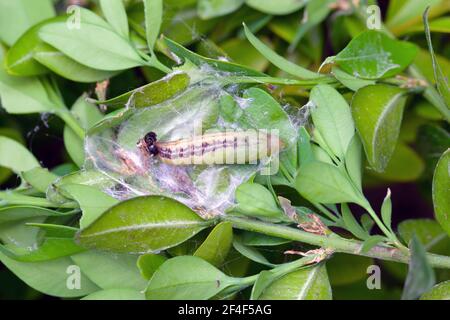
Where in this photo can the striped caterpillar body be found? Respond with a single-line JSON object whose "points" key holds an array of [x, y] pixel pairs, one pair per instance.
{"points": [[233, 147]]}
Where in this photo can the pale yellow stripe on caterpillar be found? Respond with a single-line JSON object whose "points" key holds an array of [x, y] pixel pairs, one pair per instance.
{"points": [[233, 147]]}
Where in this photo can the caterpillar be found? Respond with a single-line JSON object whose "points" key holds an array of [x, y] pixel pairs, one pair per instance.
{"points": [[231, 147]]}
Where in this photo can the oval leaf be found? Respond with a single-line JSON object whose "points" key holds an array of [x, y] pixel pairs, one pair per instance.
{"points": [[441, 192], [141, 225], [305, 284], [378, 112], [187, 278]]}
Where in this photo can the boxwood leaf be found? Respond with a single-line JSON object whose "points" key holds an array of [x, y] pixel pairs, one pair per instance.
{"points": [[371, 242], [50, 249], [440, 291], [255, 200], [115, 14], [278, 60], [217, 245], [441, 79], [441, 191], [325, 183], [15, 156], [148, 263], [373, 55], [16, 213], [115, 294], [91, 45], [152, 93], [208, 9], [351, 82], [153, 19], [143, 224], [17, 16], [305, 284], [280, 7], [25, 95], [187, 278], [111, 271], [333, 118], [378, 112], [421, 276], [250, 253], [39, 178], [92, 201], [428, 231], [352, 224], [386, 210], [87, 115], [66, 67], [50, 277], [353, 161], [198, 60]]}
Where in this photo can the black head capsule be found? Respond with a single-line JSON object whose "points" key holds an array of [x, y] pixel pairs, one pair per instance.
{"points": [[150, 144]]}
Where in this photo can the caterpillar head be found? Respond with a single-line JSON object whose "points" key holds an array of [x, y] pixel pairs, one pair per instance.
{"points": [[148, 144]]}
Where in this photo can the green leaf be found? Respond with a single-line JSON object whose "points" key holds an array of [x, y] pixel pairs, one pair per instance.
{"points": [[421, 276], [441, 192], [15, 156], [39, 178], [305, 284], [332, 117], [242, 52], [405, 165], [187, 278], [371, 242], [353, 161], [351, 82], [373, 55], [440, 291], [325, 183], [66, 67], [19, 15], [153, 19], [339, 266], [441, 79], [87, 115], [115, 14], [50, 277], [217, 245], [17, 213], [405, 13], [92, 46], [152, 93], [281, 7], [250, 253], [428, 231], [92, 202], [386, 210], [50, 249], [255, 200], [264, 112], [352, 224], [254, 239], [185, 54], [208, 9], [305, 152], [265, 278], [378, 112], [111, 271], [148, 263], [25, 95], [154, 223], [115, 294], [278, 60]]}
